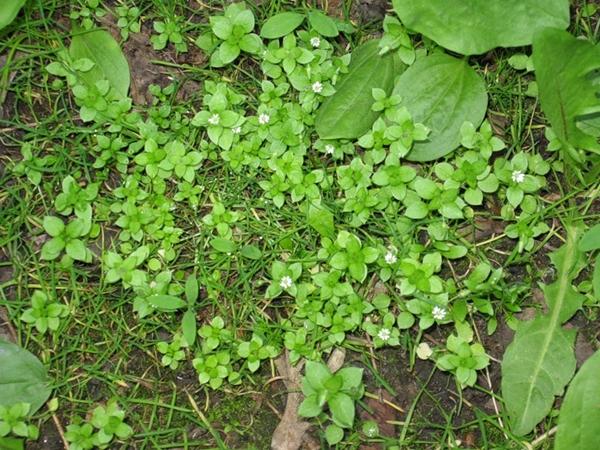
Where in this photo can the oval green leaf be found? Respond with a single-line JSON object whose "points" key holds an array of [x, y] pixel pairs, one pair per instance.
{"points": [[166, 302], [191, 289], [251, 252], [472, 27], [564, 66], [223, 245], [23, 378], [9, 10], [281, 25], [442, 93], [110, 63], [347, 114], [322, 23], [580, 415], [590, 240], [188, 326]]}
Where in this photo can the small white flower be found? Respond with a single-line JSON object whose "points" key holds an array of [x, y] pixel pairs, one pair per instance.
{"points": [[214, 119], [264, 119], [518, 176], [286, 282], [315, 42], [384, 334], [152, 284], [236, 130], [439, 313], [390, 257], [329, 149], [317, 87]]}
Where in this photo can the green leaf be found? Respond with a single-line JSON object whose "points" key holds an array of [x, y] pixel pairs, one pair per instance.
{"points": [[342, 409], [472, 27], [53, 225], [9, 10], [223, 245], [76, 250], [567, 92], [109, 61], [590, 239], [322, 24], [540, 361], [316, 373], [321, 219], [310, 406], [337, 117], [7, 443], [333, 434], [281, 24], [251, 252], [579, 414], [442, 93], [23, 378], [228, 52], [191, 289], [596, 278], [166, 302], [188, 326]]}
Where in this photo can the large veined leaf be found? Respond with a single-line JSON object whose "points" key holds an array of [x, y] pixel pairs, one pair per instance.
{"points": [[564, 68], [540, 361], [472, 27], [9, 10], [23, 378], [109, 61], [580, 412], [442, 93], [347, 114]]}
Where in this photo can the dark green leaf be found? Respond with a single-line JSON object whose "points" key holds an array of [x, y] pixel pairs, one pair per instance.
{"points": [[188, 325], [7, 443], [442, 93], [191, 289], [251, 252], [540, 361], [322, 24], [9, 10], [223, 245], [23, 378], [579, 414], [110, 63], [166, 302], [281, 24], [568, 93], [321, 219], [337, 118], [472, 27], [590, 239]]}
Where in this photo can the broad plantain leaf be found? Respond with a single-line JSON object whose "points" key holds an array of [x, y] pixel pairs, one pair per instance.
{"points": [[540, 361], [322, 23], [580, 412], [347, 114], [472, 27], [442, 93], [568, 92], [281, 24], [23, 378], [9, 10], [110, 63]]}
